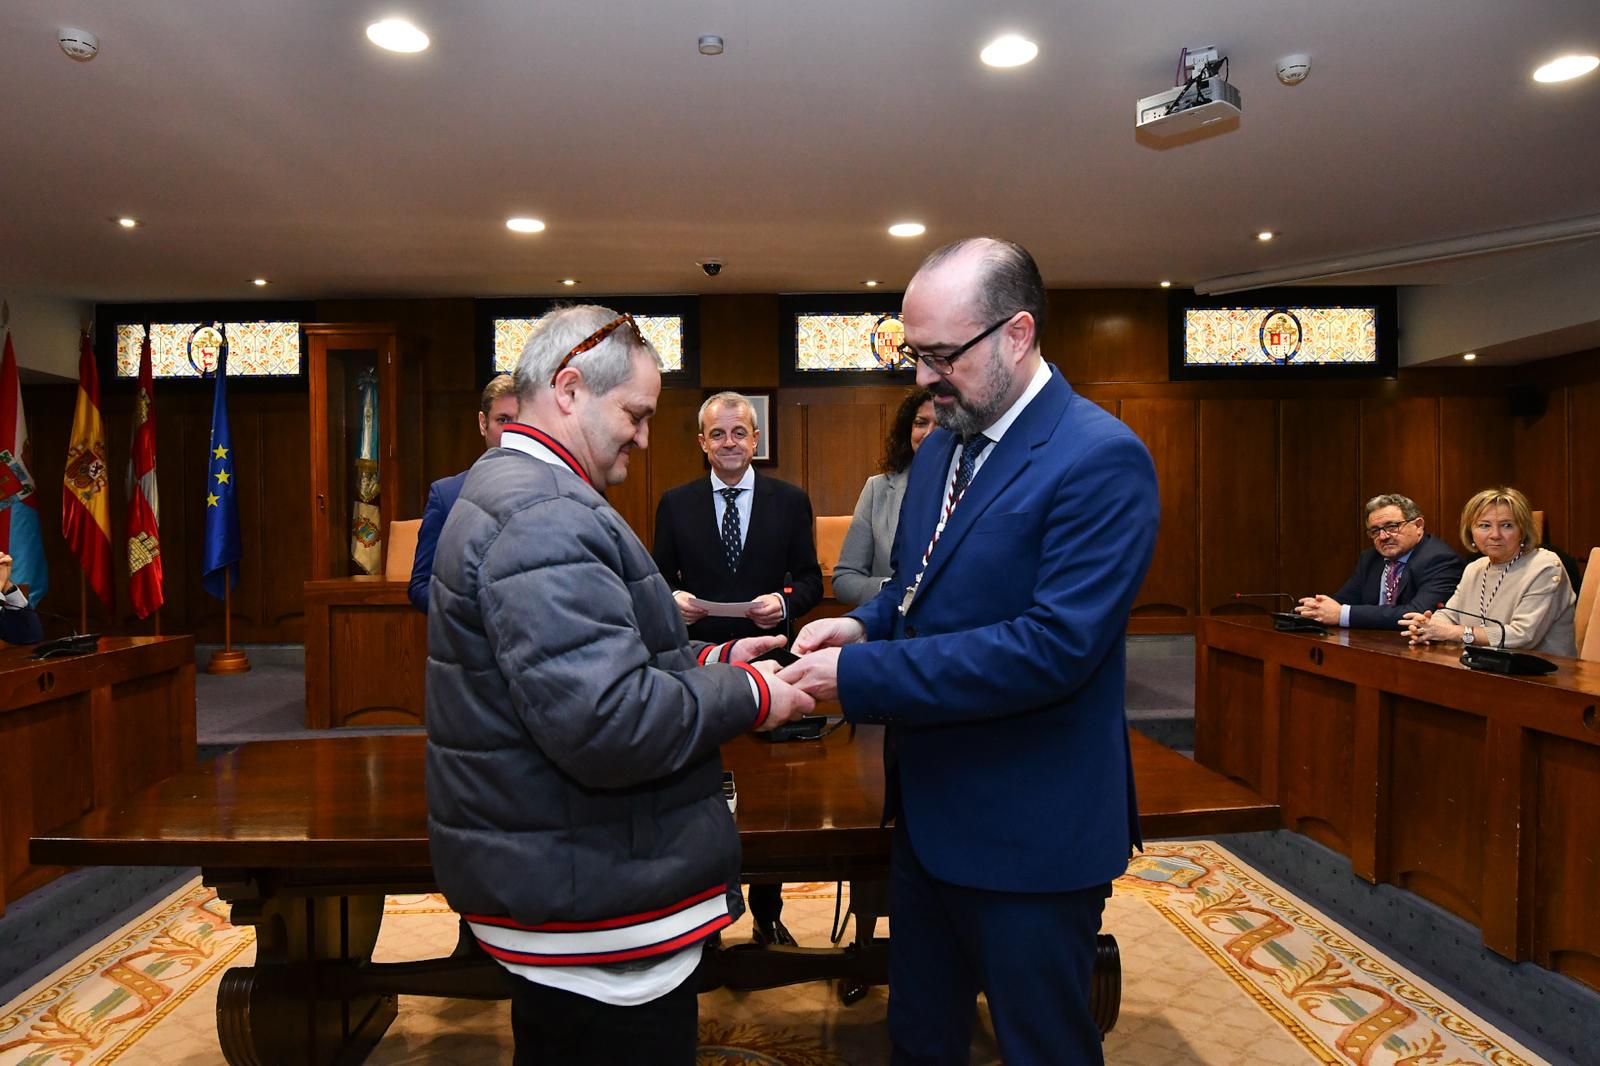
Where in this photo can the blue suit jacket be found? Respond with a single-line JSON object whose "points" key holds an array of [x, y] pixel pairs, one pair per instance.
{"points": [[441, 497], [1004, 680], [1429, 579]]}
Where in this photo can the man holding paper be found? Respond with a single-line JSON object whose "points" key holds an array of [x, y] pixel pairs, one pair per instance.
{"points": [[737, 538]]}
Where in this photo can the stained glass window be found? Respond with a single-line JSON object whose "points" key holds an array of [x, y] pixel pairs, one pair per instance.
{"points": [[1277, 336], [255, 349], [864, 340], [663, 331]]}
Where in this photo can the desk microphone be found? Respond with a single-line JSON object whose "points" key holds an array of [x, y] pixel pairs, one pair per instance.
{"points": [[1498, 660], [74, 644], [1286, 621]]}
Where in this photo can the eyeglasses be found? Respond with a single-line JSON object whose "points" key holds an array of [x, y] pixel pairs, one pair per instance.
{"points": [[593, 339], [1388, 527], [943, 363]]}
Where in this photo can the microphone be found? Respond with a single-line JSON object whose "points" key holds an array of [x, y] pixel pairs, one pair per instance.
{"points": [[1286, 621], [74, 644], [1498, 660]]}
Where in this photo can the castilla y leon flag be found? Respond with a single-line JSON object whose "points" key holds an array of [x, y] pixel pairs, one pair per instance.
{"points": [[144, 502], [86, 501], [20, 535]]}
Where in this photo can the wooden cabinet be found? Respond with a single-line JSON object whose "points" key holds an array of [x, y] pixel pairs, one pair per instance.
{"points": [[366, 651]]}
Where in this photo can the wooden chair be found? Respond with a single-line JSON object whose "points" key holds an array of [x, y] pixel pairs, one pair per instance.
{"points": [[401, 549], [1585, 631], [830, 531]]}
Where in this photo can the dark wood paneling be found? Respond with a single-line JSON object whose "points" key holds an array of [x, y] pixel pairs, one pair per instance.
{"points": [[1317, 737], [1474, 453], [1542, 458], [1319, 523], [739, 341], [1400, 450], [1436, 777], [1167, 428], [1106, 335], [843, 446], [1566, 924], [1238, 503], [1583, 493], [1229, 740]]}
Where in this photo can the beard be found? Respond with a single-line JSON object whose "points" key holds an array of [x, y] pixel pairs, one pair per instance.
{"points": [[971, 414]]}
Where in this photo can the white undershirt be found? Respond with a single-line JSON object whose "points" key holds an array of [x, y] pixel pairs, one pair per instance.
{"points": [[1036, 384]]}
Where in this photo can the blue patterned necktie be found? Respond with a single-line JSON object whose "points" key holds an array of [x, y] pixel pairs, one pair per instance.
{"points": [[968, 465], [730, 527]]}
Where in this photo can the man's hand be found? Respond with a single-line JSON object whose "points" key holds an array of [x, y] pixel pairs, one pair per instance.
{"points": [[766, 611], [691, 613], [829, 633], [748, 648], [5, 572], [816, 674], [787, 702], [1324, 609]]}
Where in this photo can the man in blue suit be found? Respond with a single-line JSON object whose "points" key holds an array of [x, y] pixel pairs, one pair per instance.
{"points": [[497, 407], [995, 655], [1407, 570]]}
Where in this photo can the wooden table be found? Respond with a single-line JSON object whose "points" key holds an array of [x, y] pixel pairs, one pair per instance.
{"points": [[366, 651], [84, 732], [305, 838], [1477, 791]]}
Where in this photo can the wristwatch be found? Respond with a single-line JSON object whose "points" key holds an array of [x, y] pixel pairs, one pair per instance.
{"points": [[1466, 635]]}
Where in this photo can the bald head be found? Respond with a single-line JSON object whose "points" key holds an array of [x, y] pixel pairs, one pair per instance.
{"points": [[992, 277]]}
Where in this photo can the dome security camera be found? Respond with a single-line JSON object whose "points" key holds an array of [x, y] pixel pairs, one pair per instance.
{"points": [[712, 267]]}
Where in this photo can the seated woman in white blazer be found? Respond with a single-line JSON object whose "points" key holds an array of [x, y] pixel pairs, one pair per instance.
{"points": [[1520, 585], [863, 564]]}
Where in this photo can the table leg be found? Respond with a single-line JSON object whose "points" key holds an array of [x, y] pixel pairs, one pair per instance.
{"points": [[290, 1007]]}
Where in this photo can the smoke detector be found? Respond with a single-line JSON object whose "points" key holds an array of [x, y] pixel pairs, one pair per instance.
{"points": [[1292, 70], [80, 45]]}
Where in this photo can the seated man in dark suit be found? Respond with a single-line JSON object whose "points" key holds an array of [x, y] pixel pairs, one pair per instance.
{"points": [[497, 407], [1406, 570], [18, 622], [737, 537]]}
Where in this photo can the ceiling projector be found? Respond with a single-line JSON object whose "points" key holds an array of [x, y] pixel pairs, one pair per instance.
{"points": [[1201, 101]]}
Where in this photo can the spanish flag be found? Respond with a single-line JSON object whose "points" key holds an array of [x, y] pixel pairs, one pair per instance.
{"points": [[86, 499]]}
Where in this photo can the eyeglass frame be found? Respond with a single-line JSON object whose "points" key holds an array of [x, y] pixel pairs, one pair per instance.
{"points": [[1374, 532], [592, 341], [944, 364]]}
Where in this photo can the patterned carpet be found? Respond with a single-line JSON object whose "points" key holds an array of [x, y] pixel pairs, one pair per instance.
{"points": [[1220, 966]]}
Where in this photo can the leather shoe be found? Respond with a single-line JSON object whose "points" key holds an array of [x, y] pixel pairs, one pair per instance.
{"points": [[771, 934]]}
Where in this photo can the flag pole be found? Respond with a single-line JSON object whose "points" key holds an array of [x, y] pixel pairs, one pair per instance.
{"points": [[227, 659], [83, 603], [155, 620]]}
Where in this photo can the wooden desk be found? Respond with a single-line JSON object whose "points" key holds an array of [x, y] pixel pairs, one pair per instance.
{"points": [[305, 838], [84, 732], [1477, 791], [366, 650]]}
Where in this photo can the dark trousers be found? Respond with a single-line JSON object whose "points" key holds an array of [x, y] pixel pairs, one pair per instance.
{"points": [[1031, 954], [553, 1027], [766, 903]]}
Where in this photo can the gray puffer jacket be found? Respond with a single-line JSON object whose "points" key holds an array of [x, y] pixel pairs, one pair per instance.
{"points": [[572, 768]]}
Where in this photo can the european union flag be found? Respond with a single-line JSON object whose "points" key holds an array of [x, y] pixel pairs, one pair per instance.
{"points": [[221, 559]]}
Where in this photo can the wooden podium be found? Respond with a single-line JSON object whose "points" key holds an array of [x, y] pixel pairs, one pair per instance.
{"points": [[364, 641]]}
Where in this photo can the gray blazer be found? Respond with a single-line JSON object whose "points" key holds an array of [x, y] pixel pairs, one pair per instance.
{"points": [[864, 557]]}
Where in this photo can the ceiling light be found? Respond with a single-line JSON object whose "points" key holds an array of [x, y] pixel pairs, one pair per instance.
{"points": [[1009, 51], [1265, 235], [397, 35], [1566, 68], [127, 223], [1470, 356], [870, 283], [569, 281], [259, 282], [1166, 284], [907, 229], [710, 44], [524, 225]]}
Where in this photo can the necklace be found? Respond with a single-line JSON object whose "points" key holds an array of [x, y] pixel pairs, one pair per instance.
{"points": [[1485, 600]]}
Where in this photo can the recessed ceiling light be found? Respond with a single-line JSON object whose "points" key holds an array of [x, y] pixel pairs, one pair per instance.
{"points": [[870, 283], [259, 282], [1166, 284], [127, 223], [1265, 235], [1470, 356], [1566, 68], [524, 225], [710, 44], [907, 229], [1009, 51], [569, 281], [397, 35]]}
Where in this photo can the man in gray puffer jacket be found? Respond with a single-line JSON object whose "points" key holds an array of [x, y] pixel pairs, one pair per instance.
{"points": [[575, 813]]}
